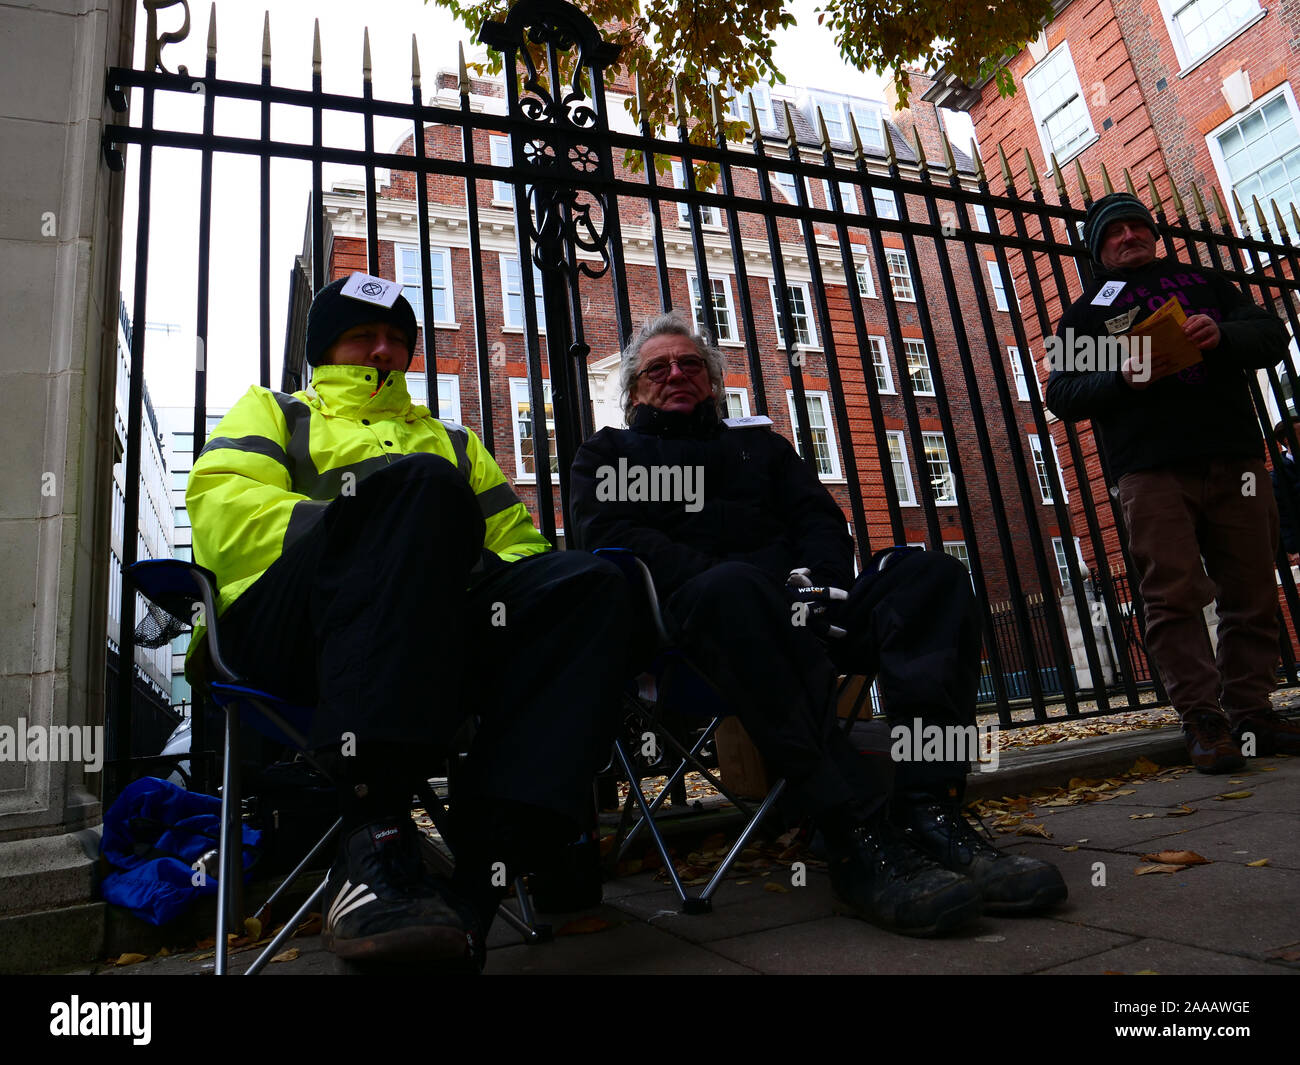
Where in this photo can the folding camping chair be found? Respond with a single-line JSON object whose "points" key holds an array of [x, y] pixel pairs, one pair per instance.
{"points": [[176, 590], [669, 692]]}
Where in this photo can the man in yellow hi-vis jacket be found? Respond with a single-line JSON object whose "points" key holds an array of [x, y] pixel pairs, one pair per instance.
{"points": [[374, 562]]}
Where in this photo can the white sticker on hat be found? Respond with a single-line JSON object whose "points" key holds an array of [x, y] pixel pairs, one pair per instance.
{"points": [[369, 289], [1106, 296]]}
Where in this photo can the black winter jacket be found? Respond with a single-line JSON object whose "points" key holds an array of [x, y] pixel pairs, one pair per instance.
{"points": [[1204, 411], [760, 503]]}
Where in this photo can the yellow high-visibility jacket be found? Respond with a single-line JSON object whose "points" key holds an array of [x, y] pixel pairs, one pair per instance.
{"points": [[274, 463]]}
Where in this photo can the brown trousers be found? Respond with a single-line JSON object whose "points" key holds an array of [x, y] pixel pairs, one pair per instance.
{"points": [[1222, 511]]}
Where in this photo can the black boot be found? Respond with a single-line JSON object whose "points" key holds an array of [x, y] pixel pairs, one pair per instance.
{"points": [[1008, 883], [877, 876]]}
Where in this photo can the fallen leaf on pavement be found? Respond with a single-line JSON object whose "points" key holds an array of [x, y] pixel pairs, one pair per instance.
{"points": [[1071, 847], [742, 883], [309, 927], [1290, 954], [1257, 865], [287, 955], [1143, 766], [780, 889], [1034, 830], [1126, 791], [204, 957], [582, 926], [1139, 817], [253, 928], [1177, 858], [204, 944], [1234, 795], [1142, 870], [1182, 811], [127, 959]]}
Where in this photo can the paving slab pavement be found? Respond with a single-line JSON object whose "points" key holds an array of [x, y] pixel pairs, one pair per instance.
{"points": [[1224, 917]]}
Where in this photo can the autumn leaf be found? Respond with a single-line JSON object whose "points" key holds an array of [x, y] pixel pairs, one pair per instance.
{"points": [[1234, 795], [1071, 847], [1143, 766], [1033, 830], [583, 926], [1177, 858], [1182, 811], [1257, 865], [1139, 817], [253, 928], [287, 955], [311, 926], [127, 959], [779, 889], [1142, 870]]}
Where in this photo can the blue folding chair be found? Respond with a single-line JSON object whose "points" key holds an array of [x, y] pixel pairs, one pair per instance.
{"points": [[672, 687], [181, 593]]}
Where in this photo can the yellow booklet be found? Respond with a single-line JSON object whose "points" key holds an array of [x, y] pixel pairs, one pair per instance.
{"points": [[1168, 341]]}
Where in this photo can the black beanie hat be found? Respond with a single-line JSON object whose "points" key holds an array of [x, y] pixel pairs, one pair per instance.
{"points": [[1113, 208], [333, 313]]}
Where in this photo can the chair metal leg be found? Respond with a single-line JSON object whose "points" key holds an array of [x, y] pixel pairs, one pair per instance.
{"points": [[230, 840], [647, 819], [288, 929], [740, 843], [298, 870]]}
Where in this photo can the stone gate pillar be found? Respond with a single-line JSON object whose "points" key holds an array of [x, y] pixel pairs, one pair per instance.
{"points": [[60, 244]]}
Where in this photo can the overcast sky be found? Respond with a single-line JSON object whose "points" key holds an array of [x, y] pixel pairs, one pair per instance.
{"points": [[806, 55]]}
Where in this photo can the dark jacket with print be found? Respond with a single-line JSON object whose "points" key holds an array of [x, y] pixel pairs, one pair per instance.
{"points": [[1204, 411], [760, 502]]}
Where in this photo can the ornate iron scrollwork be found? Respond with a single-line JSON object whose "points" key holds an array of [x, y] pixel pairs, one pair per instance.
{"points": [[154, 42], [565, 138]]}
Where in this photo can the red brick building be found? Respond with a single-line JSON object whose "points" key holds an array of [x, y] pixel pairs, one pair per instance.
{"points": [[456, 358], [1195, 93]]}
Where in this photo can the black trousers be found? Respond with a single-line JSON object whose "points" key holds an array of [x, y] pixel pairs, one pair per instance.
{"points": [[374, 618], [914, 627]]}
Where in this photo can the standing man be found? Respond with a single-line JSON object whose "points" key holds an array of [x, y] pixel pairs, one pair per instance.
{"points": [[737, 563], [1185, 451], [373, 562]]}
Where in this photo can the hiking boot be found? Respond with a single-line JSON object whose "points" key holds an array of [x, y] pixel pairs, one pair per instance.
{"points": [[1210, 745], [881, 878], [383, 904], [1273, 734], [1008, 883]]}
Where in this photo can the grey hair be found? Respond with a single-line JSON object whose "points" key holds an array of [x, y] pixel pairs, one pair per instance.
{"points": [[674, 323]]}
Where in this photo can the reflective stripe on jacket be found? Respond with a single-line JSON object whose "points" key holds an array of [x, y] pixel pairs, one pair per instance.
{"points": [[276, 461]]}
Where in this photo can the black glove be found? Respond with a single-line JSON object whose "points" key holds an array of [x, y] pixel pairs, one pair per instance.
{"points": [[813, 605]]}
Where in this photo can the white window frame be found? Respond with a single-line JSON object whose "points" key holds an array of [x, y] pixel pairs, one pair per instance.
{"points": [[741, 394], [738, 105], [692, 288], [420, 394], [1040, 470], [893, 436], [952, 548], [408, 276], [710, 217], [1018, 374], [893, 256], [811, 344], [980, 218], [864, 271], [1220, 160], [951, 475], [786, 183], [929, 370], [835, 114], [519, 393], [822, 400], [879, 347], [886, 205], [1060, 470], [1187, 59], [503, 193], [1036, 107], [1062, 572], [848, 196], [870, 133], [507, 291], [998, 285]]}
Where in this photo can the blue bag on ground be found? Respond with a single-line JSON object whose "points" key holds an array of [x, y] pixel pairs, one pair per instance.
{"points": [[153, 835]]}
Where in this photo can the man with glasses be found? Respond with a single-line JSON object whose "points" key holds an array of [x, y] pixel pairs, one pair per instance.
{"points": [[754, 571]]}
